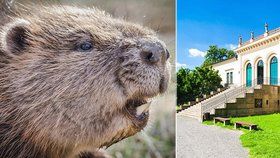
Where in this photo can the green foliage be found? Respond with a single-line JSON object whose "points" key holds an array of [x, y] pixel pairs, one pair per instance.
{"points": [[263, 143], [194, 83], [215, 54], [183, 81]]}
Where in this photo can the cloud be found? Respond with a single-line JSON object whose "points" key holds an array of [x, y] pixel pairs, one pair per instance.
{"points": [[231, 46], [196, 53], [178, 65]]}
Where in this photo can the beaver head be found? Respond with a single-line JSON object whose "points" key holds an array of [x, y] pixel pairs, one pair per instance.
{"points": [[73, 79]]}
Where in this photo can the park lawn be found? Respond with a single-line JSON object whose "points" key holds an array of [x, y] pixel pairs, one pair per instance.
{"points": [[263, 143]]}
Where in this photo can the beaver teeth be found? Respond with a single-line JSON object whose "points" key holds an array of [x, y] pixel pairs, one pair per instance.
{"points": [[143, 108]]}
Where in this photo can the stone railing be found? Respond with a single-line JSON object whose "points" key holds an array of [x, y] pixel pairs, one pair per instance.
{"points": [[205, 97], [271, 32]]}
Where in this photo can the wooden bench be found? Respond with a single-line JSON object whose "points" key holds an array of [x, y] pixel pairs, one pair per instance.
{"points": [[226, 121], [247, 124]]}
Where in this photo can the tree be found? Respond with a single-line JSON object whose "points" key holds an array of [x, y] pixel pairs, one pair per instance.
{"points": [[194, 83], [215, 54], [182, 83]]}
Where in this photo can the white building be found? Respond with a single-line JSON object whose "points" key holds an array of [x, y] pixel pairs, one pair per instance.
{"points": [[256, 61]]}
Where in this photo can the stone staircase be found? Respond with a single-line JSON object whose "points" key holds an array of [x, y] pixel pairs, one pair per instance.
{"points": [[199, 100], [219, 102], [195, 111]]}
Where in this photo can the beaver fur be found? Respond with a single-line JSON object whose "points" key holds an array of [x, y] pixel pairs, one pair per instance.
{"points": [[67, 75]]}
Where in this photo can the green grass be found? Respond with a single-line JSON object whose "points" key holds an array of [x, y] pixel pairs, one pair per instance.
{"points": [[263, 143]]}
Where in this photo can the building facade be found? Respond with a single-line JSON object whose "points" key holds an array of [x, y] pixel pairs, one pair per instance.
{"points": [[256, 61]]}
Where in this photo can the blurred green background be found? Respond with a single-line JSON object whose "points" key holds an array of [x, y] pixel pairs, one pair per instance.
{"points": [[157, 140]]}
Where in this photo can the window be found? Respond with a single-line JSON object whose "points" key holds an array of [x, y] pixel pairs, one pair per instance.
{"points": [[258, 103], [229, 78], [260, 72], [248, 75], [274, 71]]}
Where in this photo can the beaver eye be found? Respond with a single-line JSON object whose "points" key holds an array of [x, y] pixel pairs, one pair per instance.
{"points": [[85, 46]]}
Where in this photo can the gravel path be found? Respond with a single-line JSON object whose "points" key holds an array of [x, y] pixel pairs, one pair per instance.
{"points": [[195, 140]]}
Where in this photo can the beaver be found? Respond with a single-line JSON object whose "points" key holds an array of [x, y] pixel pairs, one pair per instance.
{"points": [[73, 80]]}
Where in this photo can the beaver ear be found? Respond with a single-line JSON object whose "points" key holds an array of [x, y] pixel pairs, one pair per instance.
{"points": [[14, 36]]}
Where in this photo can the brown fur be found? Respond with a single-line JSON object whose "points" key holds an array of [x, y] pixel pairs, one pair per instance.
{"points": [[56, 101]]}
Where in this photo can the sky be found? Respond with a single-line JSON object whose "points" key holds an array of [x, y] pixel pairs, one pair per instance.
{"points": [[201, 23]]}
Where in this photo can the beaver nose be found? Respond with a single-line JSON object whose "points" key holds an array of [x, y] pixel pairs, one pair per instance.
{"points": [[153, 53]]}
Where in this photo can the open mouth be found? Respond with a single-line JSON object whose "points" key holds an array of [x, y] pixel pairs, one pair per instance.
{"points": [[138, 109]]}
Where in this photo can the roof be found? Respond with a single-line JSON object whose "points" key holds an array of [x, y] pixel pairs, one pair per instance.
{"points": [[224, 61], [271, 32], [273, 35]]}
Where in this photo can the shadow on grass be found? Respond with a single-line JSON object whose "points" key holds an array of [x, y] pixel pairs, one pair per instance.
{"points": [[263, 142]]}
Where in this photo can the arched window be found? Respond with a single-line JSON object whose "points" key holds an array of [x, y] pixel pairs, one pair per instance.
{"points": [[274, 71], [260, 72], [249, 75]]}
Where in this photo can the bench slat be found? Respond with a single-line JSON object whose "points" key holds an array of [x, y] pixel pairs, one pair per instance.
{"points": [[221, 118], [246, 123], [250, 125], [224, 120]]}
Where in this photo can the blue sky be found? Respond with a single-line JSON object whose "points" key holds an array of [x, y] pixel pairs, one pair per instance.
{"points": [[201, 23]]}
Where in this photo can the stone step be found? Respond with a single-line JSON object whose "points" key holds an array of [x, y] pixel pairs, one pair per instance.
{"points": [[195, 110], [245, 106], [197, 117], [191, 112]]}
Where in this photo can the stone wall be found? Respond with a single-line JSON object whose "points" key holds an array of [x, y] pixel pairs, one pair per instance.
{"points": [[265, 100]]}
